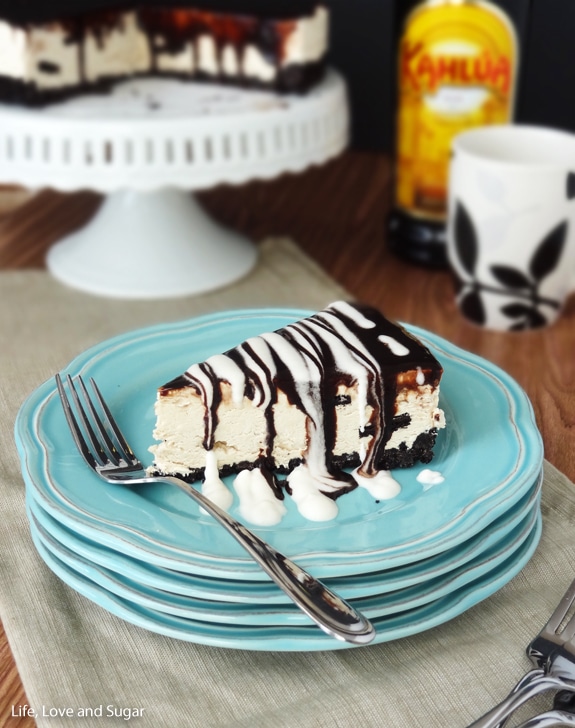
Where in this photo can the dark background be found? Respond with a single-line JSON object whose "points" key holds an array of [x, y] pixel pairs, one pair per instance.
{"points": [[364, 48], [365, 34]]}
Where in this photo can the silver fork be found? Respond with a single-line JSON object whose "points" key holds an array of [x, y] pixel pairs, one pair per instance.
{"points": [[553, 653], [107, 452], [550, 718], [562, 713]]}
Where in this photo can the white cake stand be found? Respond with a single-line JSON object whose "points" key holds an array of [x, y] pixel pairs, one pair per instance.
{"points": [[145, 146]]}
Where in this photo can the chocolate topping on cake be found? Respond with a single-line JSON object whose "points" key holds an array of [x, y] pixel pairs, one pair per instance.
{"points": [[307, 361]]}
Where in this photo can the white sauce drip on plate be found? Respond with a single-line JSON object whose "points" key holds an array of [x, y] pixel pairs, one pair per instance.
{"points": [[382, 486], [258, 504], [430, 477], [213, 486], [311, 502]]}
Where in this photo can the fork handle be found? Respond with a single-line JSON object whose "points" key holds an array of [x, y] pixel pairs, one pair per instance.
{"points": [[329, 611], [536, 672], [550, 718], [516, 699]]}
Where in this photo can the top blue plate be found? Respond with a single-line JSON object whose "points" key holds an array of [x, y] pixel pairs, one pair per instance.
{"points": [[490, 455]]}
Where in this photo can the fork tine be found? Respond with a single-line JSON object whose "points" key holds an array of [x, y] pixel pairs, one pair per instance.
{"points": [[125, 450], [568, 630], [75, 429], [100, 455], [112, 452], [555, 620]]}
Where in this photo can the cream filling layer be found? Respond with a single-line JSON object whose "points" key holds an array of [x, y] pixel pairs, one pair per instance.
{"points": [[13, 51], [242, 434]]}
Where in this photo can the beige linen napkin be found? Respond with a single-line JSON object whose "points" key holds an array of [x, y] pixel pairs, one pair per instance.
{"points": [[73, 654]]}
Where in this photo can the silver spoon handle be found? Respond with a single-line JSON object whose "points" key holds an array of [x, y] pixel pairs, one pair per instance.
{"points": [[329, 611]]}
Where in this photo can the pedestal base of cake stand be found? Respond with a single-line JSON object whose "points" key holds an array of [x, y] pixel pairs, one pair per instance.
{"points": [[162, 139], [155, 244]]}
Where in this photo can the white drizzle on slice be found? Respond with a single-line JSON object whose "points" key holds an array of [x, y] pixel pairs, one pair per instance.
{"points": [[394, 345], [372, 367], [356, 316], [252, 348], [225, 368], [307, 378], [350, 364]]}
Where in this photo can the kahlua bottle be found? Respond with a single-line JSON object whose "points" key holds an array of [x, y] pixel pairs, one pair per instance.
{"points": [[457, 69]]}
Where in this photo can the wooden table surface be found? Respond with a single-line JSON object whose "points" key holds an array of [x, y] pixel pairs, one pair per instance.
{"points": [[336, 213]]}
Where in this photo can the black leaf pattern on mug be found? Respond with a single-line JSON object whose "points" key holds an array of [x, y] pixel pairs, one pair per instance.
{"points": [[520, 326], [527, 311], [546, 257], [570, 185], [465, 238], [510, 277], [472, 307], [530, 318], [536, 319], [458, 284], [516, 310]]}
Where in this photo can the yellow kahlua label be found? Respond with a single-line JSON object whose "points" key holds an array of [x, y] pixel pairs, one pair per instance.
{"points": [[457, 70]]}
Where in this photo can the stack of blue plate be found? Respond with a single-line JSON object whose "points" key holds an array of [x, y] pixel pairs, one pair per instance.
{"points": [[152, 557]]}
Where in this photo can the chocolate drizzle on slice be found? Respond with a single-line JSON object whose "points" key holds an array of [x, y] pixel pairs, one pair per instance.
{"points": [[273, 482], [211, 396]]}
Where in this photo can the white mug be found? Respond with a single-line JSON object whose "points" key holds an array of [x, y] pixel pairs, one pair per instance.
{"points": [[511, 224]]}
